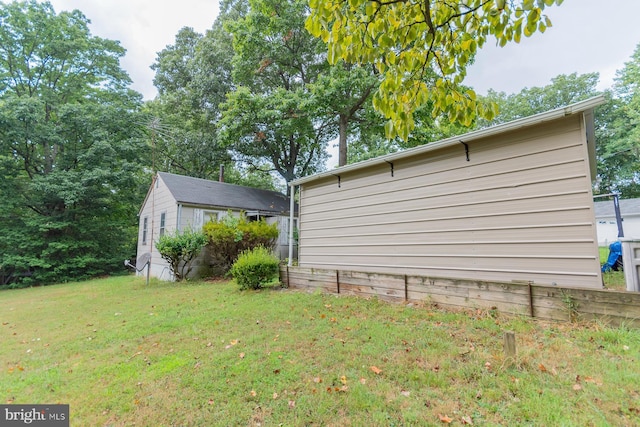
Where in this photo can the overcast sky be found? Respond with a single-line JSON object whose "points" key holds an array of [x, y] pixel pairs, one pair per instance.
{"points": [[587, 36]]}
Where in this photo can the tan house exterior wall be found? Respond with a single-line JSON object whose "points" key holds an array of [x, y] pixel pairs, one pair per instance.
{"points": [[520, 209]]}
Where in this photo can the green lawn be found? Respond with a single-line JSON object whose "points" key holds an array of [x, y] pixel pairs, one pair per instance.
{"points": [[206, 354]]}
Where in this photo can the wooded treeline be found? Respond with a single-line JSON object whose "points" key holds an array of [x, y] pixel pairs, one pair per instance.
{"points": [[255, 93]]}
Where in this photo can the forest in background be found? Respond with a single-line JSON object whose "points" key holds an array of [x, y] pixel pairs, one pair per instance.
{"points": [[257, 93]]}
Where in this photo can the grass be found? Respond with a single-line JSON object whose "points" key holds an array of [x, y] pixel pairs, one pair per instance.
{"points": [[612, 279], [206, 354]]}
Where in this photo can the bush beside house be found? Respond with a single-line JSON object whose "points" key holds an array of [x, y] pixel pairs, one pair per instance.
{"points": [[231, 235]]}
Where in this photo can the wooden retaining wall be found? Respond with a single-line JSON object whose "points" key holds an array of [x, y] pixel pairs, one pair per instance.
{"points": [[545, 302]]}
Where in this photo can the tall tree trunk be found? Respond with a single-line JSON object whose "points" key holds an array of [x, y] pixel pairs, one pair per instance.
{"points": [[342, 139]]}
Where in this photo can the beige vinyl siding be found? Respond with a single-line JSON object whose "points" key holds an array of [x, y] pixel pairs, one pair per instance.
{"points": [[520, 209]]}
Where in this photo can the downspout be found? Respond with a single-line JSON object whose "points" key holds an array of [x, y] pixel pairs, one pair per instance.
{"points": [[179, 219], [292, 192]]}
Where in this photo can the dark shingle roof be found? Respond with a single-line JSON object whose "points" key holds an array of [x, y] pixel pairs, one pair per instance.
{"points": [[628, 207], [202, 192]]}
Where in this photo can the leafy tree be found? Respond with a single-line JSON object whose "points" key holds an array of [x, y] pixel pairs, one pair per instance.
{"points": [[193, 76], [343, 93], [618, 134], [70, 156], [563, 90], [407, 39], [180, 250], [268, 119], [192, 81]]}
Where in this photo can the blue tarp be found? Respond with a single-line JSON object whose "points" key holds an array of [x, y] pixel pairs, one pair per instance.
{"points": [[614, 261]]}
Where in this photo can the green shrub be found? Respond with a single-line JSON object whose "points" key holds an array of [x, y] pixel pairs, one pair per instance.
{"points": [[231, 235], [255, 268], [180, 249]]}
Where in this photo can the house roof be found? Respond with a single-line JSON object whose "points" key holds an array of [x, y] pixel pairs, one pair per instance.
{"points": [[202, 192], [628, 207], [585, 107]]}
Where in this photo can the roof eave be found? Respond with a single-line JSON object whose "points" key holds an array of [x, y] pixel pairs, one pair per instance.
{"points": [[578, 107]]}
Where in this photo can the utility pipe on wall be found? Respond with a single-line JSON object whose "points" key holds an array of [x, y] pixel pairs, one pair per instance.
{"points": [[292, 192]]}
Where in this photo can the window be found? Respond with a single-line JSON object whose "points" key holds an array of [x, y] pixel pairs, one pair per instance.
{"points": [[210, 216], [163, 218], [145, 223]]}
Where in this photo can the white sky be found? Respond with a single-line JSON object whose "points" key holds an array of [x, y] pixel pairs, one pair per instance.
{"points": [[587, 36]]}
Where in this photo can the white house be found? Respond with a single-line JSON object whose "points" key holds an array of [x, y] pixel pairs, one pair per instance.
{"points": [[607, 225], [175, 202]]}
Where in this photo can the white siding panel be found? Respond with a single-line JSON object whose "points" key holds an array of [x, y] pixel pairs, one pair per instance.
{"points": [[160, 200], [520, 209]]}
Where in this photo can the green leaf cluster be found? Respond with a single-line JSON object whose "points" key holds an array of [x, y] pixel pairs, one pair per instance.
{"points": [[71, 155], [255, 268], [180, 249], [231, 235], [407, 39]]}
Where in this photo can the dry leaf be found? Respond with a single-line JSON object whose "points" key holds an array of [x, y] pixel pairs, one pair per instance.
{"points": [[233, 342], [210, 402], [317, 380], [467, 420], [445, 419], [343, 379], [577, 387], [405, 393], [275, 396], [292, 404], [241, 355], [363, 381], [376, 370], [253, 393], [542, 368]]}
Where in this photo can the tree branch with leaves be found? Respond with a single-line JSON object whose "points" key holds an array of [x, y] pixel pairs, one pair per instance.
{"points": [[406, 39]]}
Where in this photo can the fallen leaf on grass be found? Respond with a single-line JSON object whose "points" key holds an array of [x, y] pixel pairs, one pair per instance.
{"points": [[210, 402], [317, 380], [275, 396], [253, 393], [467, 420], [405, 393], [376, 370], [542, 368], [577, 387], [363, 381], [445, 419], [343, 379], [292, 404], [241, 355]]}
